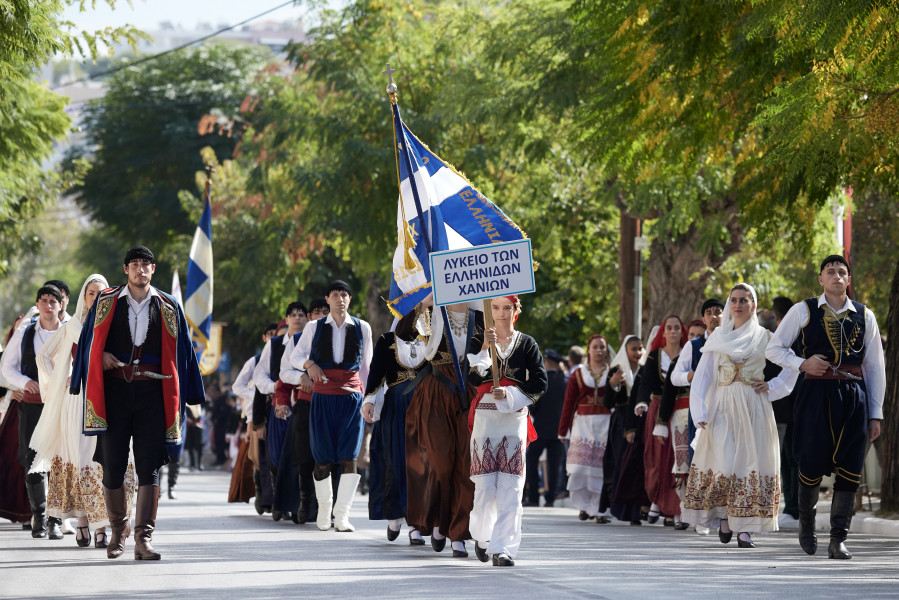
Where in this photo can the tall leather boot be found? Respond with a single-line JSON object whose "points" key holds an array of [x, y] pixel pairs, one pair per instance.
{"points": [[117, 508], [841, 509], [37, 497], [257, 481], [145, 522], [808, 502], [173, 470], [325, 497], [346, 491], [307, 493], [277, 515]]}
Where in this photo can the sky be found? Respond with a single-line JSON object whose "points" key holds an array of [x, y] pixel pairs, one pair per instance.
{"points": [[147, 14]]}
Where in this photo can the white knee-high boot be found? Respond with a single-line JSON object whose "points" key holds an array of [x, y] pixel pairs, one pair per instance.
{"points": [[346, 491], [324, 495]]}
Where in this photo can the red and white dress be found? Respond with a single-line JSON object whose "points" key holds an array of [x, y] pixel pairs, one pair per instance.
{"points": [[587, 419]]}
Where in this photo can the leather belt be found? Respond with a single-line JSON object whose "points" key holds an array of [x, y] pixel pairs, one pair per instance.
{"points": [[844, 372], [136, 373]]}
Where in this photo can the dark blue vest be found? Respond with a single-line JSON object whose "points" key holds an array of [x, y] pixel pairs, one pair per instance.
{"points": [[29, 356], [828, 335], [323, 351], [697, 344]]}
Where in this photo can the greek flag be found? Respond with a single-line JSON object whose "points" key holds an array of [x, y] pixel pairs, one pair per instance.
{"points": [[198, 303], [457, 216], [176, 289]]}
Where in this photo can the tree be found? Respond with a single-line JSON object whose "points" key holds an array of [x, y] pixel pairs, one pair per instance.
{"points": [[889, 490], [33, 118], [322, 144], [788, 102], [144, 139]]}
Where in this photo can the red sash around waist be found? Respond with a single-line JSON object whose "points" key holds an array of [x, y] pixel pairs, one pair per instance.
{"points": [[682, 402], [340, 383], [29, 398], [486, 388]]}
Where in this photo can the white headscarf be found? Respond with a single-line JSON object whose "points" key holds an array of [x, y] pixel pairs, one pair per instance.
{"points": [[622, 361], [54, 364], [80, 308], [736, 343]]}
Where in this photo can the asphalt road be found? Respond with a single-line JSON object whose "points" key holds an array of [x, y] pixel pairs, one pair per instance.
{"points": [[212, 549]]}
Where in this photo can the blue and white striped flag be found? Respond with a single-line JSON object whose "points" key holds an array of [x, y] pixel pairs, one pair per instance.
{"points": [[176, 289], [458, 216], [198, 303]]}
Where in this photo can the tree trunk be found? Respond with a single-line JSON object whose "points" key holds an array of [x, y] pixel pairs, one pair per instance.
{"points": [[679, 270], [889, 489], [379, 317], [627, 263]]}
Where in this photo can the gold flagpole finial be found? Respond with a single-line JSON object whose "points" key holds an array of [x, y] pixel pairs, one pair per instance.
{"points": [[391, 87]]}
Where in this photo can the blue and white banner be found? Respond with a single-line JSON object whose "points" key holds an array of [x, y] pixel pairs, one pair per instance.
{"points": [[457, 215], [198, 302], [176, 289]]}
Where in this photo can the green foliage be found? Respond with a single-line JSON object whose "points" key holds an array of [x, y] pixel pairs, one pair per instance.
{"points": [[33, 118], [320, 146], [146, 134]]}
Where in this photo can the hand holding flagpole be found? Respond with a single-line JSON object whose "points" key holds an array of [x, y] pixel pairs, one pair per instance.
{"points": [[488, 324]]}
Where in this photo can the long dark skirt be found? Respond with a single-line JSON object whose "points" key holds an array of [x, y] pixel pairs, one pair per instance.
{"points": [[387, 471], [613, 466], [631, 488], [438, 464], [658, 460], [287, 480], [13, 499], [242, 487]]}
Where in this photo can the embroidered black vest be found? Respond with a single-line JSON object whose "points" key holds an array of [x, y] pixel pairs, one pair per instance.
{"points": [[829, 334], [29, 360], [323, 350], [119, 341], [274, 364]]}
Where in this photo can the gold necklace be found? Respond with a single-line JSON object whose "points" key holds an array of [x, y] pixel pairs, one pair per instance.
{"points": [[459, 327], [508, 339]]}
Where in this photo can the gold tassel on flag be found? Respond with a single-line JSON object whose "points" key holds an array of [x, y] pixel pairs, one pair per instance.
{"points": [[410, 261]]}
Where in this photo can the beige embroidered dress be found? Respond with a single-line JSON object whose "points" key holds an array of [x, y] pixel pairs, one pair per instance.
{"points": [[75, 481], [735, 472]]}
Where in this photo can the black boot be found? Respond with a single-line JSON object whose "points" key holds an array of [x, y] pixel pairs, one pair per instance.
{"points": [[841, 509], [174, 469], [808, 502], [54, 528], [37, 497], [277, 515], [257, 481], [307, 495], [363, 481]]}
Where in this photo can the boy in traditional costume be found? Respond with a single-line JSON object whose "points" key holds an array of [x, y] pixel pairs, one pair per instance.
{"points": [[137, 368], [839, 403]]}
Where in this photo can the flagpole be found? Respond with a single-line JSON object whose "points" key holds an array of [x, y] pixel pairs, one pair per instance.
{"points": [[404, 151]]}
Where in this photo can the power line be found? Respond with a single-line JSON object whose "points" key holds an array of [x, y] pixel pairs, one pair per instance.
{"points": [[170, 51]]}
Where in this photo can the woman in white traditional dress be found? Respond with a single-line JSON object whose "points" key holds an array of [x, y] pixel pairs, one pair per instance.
{"points": [[74, 482], [586, 418], [734, 481], [500, 430]]}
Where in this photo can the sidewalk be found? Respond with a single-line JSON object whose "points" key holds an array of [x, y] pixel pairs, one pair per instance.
{"points": [[863, 522]]}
